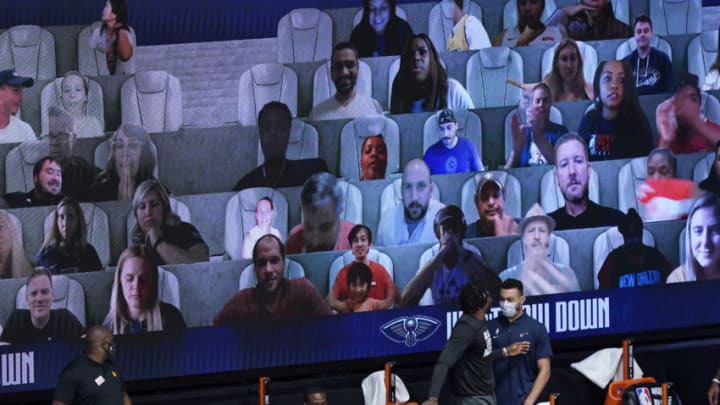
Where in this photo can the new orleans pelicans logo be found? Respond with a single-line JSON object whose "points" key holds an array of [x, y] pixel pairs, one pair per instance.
{"points": [[410, 329]]}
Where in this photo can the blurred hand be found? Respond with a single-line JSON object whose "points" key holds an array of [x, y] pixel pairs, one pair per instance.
{"points": [[666, 121], [518, 133], [518, 348], [574, 9], [713, 394]]}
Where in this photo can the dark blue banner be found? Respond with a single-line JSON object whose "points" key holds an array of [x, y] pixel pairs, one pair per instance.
{"points": [[365, 335]]}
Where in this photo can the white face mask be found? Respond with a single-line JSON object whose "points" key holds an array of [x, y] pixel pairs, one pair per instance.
{"points": [[508, 309]]}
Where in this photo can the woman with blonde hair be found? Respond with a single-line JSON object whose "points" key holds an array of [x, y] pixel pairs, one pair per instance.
{"points": [[135, 305], [66, 247], [702, 242], [566, 79], [13, 262]]}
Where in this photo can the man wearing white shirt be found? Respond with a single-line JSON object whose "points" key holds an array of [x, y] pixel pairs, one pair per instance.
{"points": [[13, 129]]}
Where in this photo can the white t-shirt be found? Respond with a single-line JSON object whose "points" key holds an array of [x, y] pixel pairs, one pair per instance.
{"points": [[331, 109], [712, 80], [17, 131], [475, 34]]}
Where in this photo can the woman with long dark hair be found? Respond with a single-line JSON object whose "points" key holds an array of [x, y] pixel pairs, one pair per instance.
{"points": [[113, 38], [380, 32]]}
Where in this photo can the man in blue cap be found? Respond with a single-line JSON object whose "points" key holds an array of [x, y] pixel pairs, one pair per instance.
{"points": [[12, 128]]}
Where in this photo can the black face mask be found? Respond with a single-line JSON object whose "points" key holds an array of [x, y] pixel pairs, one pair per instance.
{"points": [[109, 350]]}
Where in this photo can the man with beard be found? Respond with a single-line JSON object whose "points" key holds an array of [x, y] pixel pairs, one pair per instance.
{"points": [[274, 297], [408, 223], [452, 154], [490, 202], [536, 271], [47, 176], [441, 279], [633, 264], [346, 103], [519, 380], [572, 170]]}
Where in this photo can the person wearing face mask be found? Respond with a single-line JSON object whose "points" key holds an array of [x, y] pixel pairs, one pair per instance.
{"points": [[92, 378], [39, 323], [537, 273], [380, 32], [521, 379], [633, 264]]}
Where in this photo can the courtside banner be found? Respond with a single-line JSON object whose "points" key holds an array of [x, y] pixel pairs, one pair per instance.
{"points": [[390, 333]]}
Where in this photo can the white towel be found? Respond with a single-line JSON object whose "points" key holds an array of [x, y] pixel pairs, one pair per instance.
{"points": [[604, 366], [373, 387]]}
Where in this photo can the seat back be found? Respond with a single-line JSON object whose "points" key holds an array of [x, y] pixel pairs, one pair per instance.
{"points": [[304, 35], [304, 142], [102, 154], [510, 14], [558, 251], [19, 164], [703, 166], [168, 287], [621, 10], [52, 96], [152, 99], [98, 229], [469, 127], [178, 207], [352, 137], [551, 197], [440, 21], [702, 51], [392, 194], [628, 46], [608, 241], [487, 72], [513, 201], [676, 17], [29, 50], [631, 175], [347, 258], [324, 88], [67, 294], [293, 269], [710, 106], [240, 217], [587, 52], [399, 12], [262, 84], [92, 62], [555, 116]]}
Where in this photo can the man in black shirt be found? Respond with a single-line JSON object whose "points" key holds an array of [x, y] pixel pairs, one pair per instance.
{"points": [[92, 378], [572, 168], [468, 355], [274, 123], [47, 176]]}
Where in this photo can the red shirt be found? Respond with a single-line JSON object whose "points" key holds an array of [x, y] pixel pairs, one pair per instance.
{"points": [[694, 143], [296, 243], [378, 289]]}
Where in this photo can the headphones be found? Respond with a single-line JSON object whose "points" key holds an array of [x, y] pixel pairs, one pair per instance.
{"points": [[450, 213]]}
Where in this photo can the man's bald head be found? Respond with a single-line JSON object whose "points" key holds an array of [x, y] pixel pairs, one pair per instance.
{"points": [[96, 336], [416, 189]]}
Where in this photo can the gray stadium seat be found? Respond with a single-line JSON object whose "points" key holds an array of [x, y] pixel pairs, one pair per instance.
{"points": [[702, 51], [19, 164], [152, 99], [92, 62], [626, 48], [392, 194], [555, 116], [630, 176], [352, 209], [510, 16], [178, 207], [676, 17], [303, 143], [621, 9], [293, 269], [559, 251], [589, 57], [702, 167], [486, 75], [29, 50], [347, 258], [399, 12], [513, 201], [323, 86], [440, 21], [67, 294], [98, 229], [551, 197], [240, 217], [168, 287], [262, 84], [352, 137], [52, 96], [606, 242], [469, 126], [304, 35], [710, 106]]}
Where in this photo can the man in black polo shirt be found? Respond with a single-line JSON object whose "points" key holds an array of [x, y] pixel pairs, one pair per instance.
{"points": [[92, 378], [572, 168], [468, 355]]}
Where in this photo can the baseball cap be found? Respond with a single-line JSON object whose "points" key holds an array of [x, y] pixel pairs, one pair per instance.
{"points": [[10, 78], [446, 116], [489, 178]]}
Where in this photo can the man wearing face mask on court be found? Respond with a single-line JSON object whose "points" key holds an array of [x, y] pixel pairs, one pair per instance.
{"points": [[521, 379], [92, 378]]}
